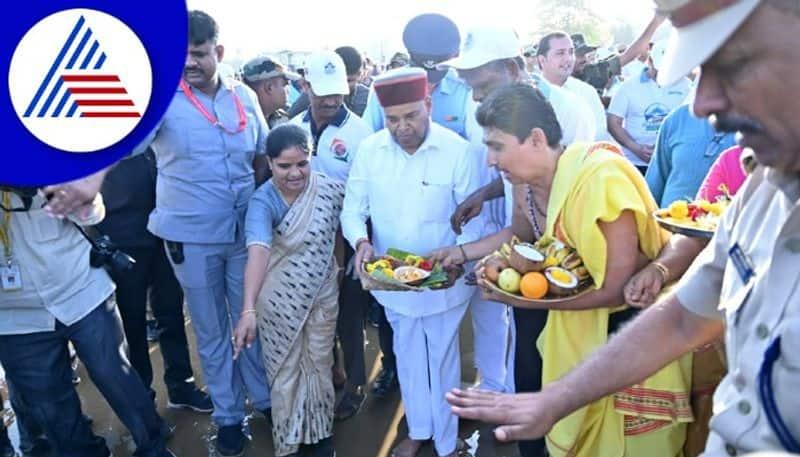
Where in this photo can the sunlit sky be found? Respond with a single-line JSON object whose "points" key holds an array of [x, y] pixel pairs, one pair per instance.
{"points": [[248, 27]]}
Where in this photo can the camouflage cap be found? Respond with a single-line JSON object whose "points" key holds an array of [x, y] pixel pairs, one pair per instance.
{"points": [[265, 67]]}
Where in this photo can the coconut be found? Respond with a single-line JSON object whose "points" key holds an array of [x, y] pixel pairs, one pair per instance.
{"points": [[562, 281], [526, 258]]}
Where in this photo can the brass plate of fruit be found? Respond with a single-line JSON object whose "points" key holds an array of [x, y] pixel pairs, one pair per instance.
{"points": [[676, 226], [697, 219], [543, 272], [543, 301]]}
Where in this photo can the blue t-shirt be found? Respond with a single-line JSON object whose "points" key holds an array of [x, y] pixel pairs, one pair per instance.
{"points": [[266, 210], [686, 148]]}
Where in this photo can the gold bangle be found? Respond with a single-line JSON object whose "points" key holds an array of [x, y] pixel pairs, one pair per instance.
{"points": [[247, 311], [661, 269]]}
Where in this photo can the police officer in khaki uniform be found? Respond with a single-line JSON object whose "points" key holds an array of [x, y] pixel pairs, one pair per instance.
{"points": [[269, 79], [746, 283]]}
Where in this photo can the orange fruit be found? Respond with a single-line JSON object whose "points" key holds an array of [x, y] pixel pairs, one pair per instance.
{"points": [[533, 285]]}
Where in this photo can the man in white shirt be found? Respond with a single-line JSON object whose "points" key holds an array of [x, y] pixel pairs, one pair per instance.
{"points": [[640, 106], [335, 130], [556, 55], [408, 178]]}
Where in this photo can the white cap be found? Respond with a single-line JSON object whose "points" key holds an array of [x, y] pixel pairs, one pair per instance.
{"points": [[485, 44], [693, 43], [326, 73]]}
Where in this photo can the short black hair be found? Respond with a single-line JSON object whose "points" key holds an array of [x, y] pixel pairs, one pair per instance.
{"points": [[202, 28], [517, 109], [544, 43], [286, 136], [352, 59]]}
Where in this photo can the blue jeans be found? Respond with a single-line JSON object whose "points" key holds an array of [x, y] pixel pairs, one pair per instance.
{"points": [[38, 366]]}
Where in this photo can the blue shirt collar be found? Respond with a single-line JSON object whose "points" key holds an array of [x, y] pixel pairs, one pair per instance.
{"points": [[447, 85]]}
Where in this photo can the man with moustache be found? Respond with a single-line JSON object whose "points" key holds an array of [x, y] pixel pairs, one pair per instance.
{"points": [[408, 178], [744, 285], [335, 131], [207, 145]]}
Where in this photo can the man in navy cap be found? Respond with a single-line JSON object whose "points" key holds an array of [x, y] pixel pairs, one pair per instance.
{"points": [[431, 39]]}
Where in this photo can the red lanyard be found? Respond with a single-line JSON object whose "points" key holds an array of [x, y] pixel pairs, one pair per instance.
{"points": [[239, 109]]}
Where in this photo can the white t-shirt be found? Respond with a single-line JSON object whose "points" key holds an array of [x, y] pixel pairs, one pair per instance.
{"points": [[643, 105], [337, 145], [589, 95]]}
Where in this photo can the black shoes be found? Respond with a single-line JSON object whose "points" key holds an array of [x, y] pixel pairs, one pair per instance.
{"points": [[386, 383], [230, 441], [190, 397]]}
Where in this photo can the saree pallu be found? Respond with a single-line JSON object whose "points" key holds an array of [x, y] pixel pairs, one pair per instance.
{"points": [[297, 309], [594, 184]]}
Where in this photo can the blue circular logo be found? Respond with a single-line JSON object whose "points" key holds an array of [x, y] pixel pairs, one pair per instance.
{"points": [[87, 82]]}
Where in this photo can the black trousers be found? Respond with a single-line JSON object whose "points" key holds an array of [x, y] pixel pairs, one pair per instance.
{"points": [[353, 306], [528, 323], [38, 367], [153, 274], [386, 341]]}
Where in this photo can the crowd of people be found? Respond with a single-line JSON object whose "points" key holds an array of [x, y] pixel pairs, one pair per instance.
{"points": [[255, 211]]}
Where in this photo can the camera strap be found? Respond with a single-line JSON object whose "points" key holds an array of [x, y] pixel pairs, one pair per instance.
{"points": [[5, 228], [10, 274]]}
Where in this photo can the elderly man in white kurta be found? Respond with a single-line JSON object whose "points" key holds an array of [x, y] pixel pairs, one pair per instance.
{"points": [[408, 179]]}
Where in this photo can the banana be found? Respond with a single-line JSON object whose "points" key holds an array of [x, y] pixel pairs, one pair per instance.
{"points": [[551, 250], [572, 261], [515, 240], [506, 249], [581, 272], [562, 254]]}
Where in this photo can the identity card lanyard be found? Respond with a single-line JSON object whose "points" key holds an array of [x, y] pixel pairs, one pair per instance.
{"points": [[10, 277], [239, 109]]}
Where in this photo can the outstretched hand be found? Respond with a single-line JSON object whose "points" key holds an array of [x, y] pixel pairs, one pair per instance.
{"points": [[519, 416]]}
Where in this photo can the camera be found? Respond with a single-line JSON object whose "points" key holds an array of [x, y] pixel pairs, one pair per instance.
{"points": [[105, 253]]}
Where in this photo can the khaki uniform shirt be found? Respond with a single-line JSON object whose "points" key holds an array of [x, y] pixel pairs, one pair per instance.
{"points": [[764, 221]]}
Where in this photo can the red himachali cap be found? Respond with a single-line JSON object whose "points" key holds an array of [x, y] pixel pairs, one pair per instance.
{"points": [[400, 86]]}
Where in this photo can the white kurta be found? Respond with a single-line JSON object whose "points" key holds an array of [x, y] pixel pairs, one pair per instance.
{"points": [[410, 199]]}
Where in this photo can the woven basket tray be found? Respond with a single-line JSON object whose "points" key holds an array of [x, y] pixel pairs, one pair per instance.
{"points": [[370, 283]]}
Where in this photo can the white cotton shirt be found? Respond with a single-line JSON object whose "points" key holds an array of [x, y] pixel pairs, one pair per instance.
{"points": [[338, 144], [643, 104], [409, 199], [589, 95]]}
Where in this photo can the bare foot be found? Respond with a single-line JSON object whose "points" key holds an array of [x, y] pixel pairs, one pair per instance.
{"points": [[407, 448]]}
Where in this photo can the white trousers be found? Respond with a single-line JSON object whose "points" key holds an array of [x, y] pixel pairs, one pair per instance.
{"points": [[429, 366], [491, 331]]}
